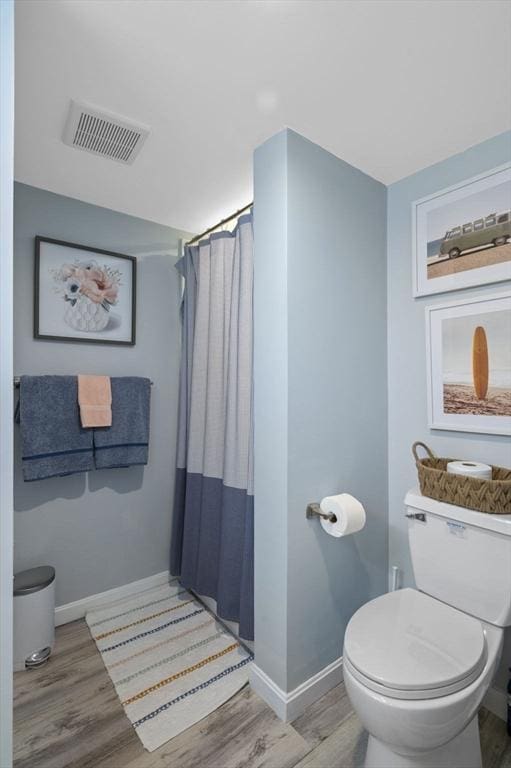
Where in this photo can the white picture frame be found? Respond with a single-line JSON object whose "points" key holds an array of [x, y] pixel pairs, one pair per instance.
{"points": [[453, 403], [462, 205]]}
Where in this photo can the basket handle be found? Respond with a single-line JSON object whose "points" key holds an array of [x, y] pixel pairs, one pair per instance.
{"points": [[422, 445]]}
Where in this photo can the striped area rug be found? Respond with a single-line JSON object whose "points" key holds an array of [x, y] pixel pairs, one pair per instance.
{"points": [[171, 663]]}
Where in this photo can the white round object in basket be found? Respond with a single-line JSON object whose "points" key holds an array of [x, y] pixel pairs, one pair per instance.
{"points": [[470, 469], [86, 315]]}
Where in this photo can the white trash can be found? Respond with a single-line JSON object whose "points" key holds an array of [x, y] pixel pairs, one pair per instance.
{"points": [[34, 616]]}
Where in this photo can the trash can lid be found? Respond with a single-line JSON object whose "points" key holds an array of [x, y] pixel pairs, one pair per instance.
{"points": [[33, 580]]}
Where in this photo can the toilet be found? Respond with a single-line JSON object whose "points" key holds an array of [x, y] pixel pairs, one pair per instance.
{"points": [[418, 662]]}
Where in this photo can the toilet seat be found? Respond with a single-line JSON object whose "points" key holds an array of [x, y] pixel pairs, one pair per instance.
{"points": [[407, 693], [407, 645]]}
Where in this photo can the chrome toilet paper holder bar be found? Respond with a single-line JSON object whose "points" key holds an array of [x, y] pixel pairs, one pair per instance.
{"points": [[314, 510]]}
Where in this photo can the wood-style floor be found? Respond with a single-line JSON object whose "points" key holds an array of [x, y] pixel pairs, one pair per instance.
{"points": [[67, 715]]}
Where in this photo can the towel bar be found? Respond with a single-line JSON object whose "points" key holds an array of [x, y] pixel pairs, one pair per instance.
{"points": [[17, 381]]}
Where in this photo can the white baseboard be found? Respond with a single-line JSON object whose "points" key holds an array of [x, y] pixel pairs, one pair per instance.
{"points": [[289, 706], [496, 701], [77, 610]]}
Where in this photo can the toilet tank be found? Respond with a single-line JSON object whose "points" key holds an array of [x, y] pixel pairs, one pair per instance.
{"points": [[461, 557]]}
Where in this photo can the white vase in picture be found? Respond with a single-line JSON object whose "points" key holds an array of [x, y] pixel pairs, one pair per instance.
{"points": [[86, 315]]}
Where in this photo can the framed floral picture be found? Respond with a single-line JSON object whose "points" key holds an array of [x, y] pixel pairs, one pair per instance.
{"points": [[461, 236], [83, 294], [469, 364]]}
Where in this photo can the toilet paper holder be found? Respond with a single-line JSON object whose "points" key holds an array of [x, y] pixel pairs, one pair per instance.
{"points": [[314, 510]]}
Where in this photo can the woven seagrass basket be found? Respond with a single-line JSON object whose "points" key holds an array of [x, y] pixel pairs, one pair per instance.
{"points": [[493, 496]]}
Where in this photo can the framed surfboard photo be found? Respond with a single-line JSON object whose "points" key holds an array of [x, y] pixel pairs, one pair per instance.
{"points": [[469, 365], [461, 236]]}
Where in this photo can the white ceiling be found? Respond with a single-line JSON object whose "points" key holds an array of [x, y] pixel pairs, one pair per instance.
{"points": [[389, 86]]}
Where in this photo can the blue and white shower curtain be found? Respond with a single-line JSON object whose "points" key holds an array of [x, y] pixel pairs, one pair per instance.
{"points": [[213, 527]]}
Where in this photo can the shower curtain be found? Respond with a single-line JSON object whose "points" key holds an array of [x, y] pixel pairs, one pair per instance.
{"points": [[212, 527]]}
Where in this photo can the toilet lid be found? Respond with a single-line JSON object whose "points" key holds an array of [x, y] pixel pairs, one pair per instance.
{"points": [[409, 641]]}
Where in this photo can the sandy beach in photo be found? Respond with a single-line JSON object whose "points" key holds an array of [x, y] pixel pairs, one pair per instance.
{"points": [[460, 398], [482, 258]]}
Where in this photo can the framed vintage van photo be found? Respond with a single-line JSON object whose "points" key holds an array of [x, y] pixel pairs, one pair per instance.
{"points": [[461, 236]]}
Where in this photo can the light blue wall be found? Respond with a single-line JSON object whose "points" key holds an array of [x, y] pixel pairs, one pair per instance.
{"points": [[270, 405], [109, 527], [320, 376], [407, 351]]}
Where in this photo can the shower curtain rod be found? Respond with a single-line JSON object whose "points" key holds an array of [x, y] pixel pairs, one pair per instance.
{"points": [[224, 221]]}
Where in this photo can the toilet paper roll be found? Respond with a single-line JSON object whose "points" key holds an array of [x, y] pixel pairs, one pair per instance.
{"points": [[349, 512], [470, 468]]}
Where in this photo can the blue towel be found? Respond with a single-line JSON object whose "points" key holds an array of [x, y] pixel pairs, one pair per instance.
{"points": [[53, 441], [126, 442]]}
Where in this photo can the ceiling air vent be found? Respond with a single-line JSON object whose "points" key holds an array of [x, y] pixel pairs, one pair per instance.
{"points": [[103, 133]]}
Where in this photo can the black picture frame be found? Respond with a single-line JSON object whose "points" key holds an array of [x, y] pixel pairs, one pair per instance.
{"points": [[39, 241]]}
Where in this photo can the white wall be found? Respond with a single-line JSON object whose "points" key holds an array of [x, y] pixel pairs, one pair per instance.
{"points": [[407, 351], [6, 493]]}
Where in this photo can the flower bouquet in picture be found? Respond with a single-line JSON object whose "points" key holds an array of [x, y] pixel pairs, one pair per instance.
{"points": [[84, 294], [89, 291]]}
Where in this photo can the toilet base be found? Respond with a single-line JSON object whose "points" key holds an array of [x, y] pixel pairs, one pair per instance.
{"points": [[464, 751]]}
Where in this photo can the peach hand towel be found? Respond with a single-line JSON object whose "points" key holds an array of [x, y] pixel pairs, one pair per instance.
{"points": [[95, 401]]}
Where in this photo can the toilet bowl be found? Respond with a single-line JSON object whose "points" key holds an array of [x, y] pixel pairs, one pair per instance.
{"points": [[416, 671], [418, 662]]}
